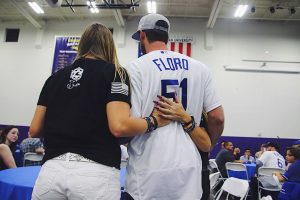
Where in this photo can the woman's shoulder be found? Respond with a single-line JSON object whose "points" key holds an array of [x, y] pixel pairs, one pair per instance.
{"points": [[4, 147]]}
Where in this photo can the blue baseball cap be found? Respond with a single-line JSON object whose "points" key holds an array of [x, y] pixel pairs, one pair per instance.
{"points": [[297, 142]]}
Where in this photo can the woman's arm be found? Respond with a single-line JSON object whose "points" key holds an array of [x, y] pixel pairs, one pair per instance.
{"points": [[37, 122], [6, 156], [175, 111], [121, 124]]}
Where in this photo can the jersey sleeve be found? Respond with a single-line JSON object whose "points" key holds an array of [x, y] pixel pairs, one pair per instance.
{"points": [[264, 157], [211, 99], [135, 77], [120, 90]]}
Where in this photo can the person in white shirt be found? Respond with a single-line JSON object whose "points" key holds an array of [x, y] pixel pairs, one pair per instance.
{"points": [[247, 156], [165, 163], [270, 158]]}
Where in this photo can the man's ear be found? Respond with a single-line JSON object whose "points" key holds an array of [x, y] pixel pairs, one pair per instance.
{"points": [[142, 35]]}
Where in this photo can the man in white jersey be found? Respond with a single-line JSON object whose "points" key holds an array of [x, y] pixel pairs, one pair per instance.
{"points": [[165, 163], [269, 158]]}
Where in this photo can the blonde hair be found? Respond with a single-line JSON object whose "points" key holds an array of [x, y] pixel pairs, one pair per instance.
{"points": [[97, 41]]}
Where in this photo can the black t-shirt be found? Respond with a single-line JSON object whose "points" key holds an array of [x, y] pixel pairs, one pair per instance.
{"points": [[76, 119], [222, 158]]}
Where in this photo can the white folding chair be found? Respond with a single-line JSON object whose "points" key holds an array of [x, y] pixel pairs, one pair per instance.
{"points": [[236, 187], [277, 181], [32, 157], [214, 179], [266, 180], [237, 170], [213, 165]]}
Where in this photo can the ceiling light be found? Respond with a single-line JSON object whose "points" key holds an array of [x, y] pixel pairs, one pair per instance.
{"points": [[94, 10], [240, 11], [262, 69], [151, 6], [272, 9], [36, 7]]}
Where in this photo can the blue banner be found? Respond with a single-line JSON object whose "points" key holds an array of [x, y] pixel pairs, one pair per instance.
{"points": [[65, 51]]}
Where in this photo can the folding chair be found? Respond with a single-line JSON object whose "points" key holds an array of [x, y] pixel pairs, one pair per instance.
{"points": [[214, 180], [237, 170], [213, 165], [277, 181], [236, 187], [32, 157], [266, 181]]}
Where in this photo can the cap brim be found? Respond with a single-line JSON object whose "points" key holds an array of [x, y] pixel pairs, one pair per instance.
{"points": [[136, 36]]}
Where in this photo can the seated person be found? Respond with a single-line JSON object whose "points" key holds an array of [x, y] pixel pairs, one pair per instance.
{"points": [[8, 141], [6, 158], [270, 158], [33, 145], [224, 156], [236, 153], [247, 156], [259, 153], [292, 175]]}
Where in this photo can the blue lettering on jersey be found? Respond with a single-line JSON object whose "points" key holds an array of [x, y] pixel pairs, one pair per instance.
{"points": [[171, 64]]}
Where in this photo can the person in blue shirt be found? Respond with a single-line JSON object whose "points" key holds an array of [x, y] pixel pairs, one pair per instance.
{"points": [[292, 174]]}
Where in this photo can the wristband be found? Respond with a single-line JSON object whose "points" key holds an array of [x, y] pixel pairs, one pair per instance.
{"points": [[155, 121], [190, 129], [151, 126]]}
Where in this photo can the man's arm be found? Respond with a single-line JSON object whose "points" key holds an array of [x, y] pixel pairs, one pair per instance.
{"points": [[215, 124], [173, 110]]}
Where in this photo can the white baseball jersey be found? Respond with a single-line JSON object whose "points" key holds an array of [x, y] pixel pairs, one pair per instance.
{"points": [[272, 159], [165, 164]]}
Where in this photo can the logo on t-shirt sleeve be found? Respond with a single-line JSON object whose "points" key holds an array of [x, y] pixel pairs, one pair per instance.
{"points": [[75, 76], [119, 88]]}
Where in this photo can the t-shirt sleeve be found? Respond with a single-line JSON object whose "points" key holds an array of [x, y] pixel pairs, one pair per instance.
{"points": [[211, 99], [43, 99], [292, 170], [120, 90]]}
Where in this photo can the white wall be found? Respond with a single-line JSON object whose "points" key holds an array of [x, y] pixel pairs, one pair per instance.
{"points": [[256, 104]]}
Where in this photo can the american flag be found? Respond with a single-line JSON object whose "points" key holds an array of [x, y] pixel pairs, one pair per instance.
{"points": [[119, 88], [180, 47]]}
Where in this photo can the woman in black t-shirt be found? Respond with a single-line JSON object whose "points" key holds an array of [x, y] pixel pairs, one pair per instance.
{"points": [[81, 112]]}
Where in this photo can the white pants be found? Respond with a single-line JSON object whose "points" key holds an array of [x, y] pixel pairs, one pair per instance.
{"points": [[74, 180]]}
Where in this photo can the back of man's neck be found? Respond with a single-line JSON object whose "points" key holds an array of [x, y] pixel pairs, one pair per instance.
{"points": [[154, 46]]}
